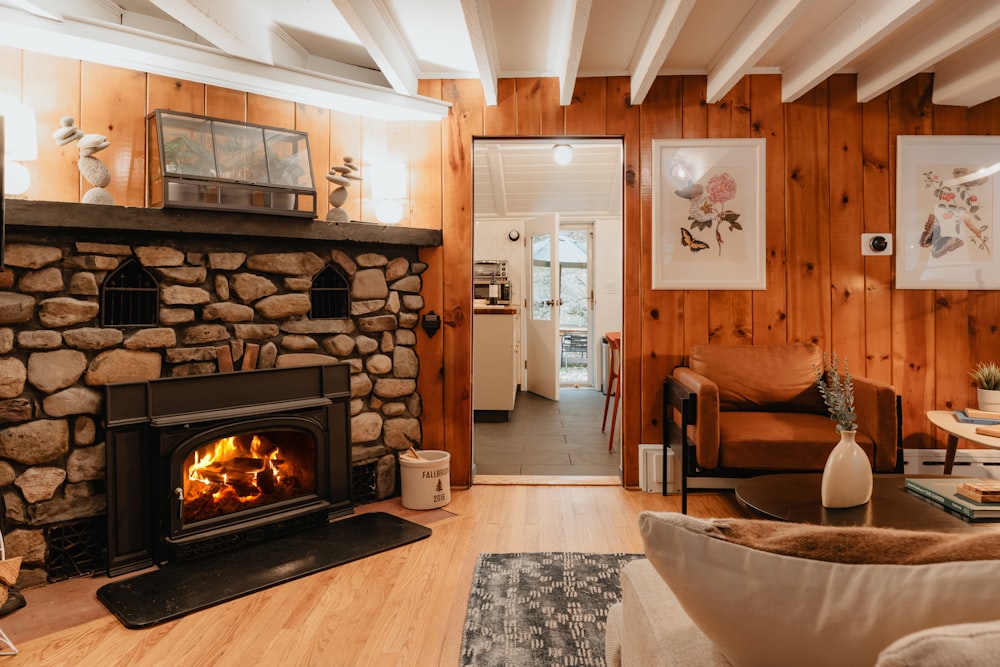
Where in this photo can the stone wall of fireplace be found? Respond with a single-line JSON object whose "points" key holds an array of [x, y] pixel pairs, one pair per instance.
{"points": [[218, 299]]}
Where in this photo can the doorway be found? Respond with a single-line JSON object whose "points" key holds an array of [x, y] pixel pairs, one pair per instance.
{"points": [[515, 182]]}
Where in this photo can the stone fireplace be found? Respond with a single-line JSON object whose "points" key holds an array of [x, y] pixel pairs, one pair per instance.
{"points": [[210, 292]]}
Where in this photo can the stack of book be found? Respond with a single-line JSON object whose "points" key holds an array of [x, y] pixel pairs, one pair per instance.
{"points": [[971, 498]]}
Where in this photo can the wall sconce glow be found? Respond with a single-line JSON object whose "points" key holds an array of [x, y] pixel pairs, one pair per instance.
{"points": [[388, 211], [20, 143], [562, 153], [390, 192]]}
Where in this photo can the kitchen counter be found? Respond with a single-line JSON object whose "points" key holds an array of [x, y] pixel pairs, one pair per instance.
{"points": [[484, 309]]}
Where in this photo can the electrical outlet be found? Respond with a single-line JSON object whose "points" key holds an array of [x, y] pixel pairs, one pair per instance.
{"points": [[876, 244]]}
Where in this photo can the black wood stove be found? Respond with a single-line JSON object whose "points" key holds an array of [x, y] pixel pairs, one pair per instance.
{"points": [[203, 464]]}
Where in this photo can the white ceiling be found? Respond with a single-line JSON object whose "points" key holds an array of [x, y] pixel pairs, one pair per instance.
{"points": [[367, 56], [518, 178], [372, 47]]}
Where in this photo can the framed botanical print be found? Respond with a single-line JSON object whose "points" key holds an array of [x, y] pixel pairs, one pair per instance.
{"points": [[708, 214], [946, 212]]}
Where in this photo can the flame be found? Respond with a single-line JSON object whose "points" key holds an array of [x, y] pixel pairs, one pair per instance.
{"points": [[223, 451]]}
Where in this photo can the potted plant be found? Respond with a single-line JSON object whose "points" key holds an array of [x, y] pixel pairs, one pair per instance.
{"points": [[847, 476], [987, 377]]}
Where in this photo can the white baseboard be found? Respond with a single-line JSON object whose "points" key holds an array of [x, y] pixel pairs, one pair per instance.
{"points": [[968, 462], [651, 470]]}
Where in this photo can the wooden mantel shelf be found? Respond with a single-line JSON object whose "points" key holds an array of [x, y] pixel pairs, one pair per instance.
{"points": [[20, 213]]}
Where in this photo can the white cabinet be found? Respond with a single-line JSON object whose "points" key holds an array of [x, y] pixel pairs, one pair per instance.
{"points": [[494, 360]]}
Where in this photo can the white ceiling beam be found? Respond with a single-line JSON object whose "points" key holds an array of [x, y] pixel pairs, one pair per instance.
{"points": [[223, 24], [960, 24], [479, 24], [670, 17], [36, 9], [577, 15], [970, 77], [372, 24], [763, 26], [124, 47], [861, 24], [498, 181]]}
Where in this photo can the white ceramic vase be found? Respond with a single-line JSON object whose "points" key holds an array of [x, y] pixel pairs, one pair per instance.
{"points": [[847, 477], [988, 399]]}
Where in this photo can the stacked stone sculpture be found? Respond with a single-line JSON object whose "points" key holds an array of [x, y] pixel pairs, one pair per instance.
{"points": [[341, 175], [93, 170]]}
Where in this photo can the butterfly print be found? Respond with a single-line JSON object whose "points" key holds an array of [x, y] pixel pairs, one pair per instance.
{"points": [[691, 242], [931, 238]]}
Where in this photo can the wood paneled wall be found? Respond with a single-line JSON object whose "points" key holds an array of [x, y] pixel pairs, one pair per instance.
{"points": [[830, 177]]}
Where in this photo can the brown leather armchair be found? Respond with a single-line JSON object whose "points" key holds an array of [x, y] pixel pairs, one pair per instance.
{"points": [[745, 410]]}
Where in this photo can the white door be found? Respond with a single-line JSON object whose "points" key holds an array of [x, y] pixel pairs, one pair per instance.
{"points": [[542, 316]]}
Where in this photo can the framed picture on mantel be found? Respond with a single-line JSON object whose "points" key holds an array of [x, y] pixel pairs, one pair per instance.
{"points": [[947, 195], [708, 214]]}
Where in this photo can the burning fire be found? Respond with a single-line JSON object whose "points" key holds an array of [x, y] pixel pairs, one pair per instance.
{"points": [[245, 471], [235, 466]]}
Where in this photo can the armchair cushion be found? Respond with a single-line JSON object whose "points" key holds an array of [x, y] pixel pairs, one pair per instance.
{"points": [[779, 378], [773, 609]]}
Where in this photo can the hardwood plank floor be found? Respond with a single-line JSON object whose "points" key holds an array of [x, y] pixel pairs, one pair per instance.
{"points": [[401, 607]]}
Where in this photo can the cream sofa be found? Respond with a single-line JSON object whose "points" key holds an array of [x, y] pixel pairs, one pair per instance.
{"points": [[778, 607]]}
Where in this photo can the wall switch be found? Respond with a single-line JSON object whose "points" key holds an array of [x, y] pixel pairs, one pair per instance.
{"points": [[876, 244]]}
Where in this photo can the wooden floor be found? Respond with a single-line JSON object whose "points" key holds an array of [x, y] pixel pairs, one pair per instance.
{"points": [[402, 607]]}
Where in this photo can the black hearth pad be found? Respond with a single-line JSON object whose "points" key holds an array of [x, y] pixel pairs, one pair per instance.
{"points": [[175, 590]]}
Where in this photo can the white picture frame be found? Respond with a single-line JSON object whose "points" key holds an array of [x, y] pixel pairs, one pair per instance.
{"points": [[947, 202], [708, 226]]}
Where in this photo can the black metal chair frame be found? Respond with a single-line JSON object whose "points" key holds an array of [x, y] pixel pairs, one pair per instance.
{"points": [[677, 397]]}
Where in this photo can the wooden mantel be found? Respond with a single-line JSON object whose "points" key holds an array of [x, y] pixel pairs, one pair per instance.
{"points": [[25, 214]]}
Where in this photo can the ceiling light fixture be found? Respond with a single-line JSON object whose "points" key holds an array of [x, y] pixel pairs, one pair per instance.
{"points": [[562, 153]]}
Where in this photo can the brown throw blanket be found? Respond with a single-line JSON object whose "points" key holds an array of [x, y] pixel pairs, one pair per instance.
{"points": [[858, 545]]}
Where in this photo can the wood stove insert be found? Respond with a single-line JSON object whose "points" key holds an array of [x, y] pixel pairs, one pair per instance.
{"points": [[204, 464]]}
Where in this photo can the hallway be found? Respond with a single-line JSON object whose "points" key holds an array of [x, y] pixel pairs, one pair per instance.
{"points": [[546, 437]]}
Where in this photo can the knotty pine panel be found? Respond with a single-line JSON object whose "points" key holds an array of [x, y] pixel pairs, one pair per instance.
{"points": [[51, 86], [264, 110], [769, 305], [500, 119], [465, 121], [877, 181], [315, 121], [910, 112], [807, 205], [425, 167], [225, 103], [730, 312], [105, 90], [847, 278], [661, 345], [553, 116], [694, 120], [172, 94], [345, 141], [529, 106], [589, 111], [951, 312], [623, 120]]}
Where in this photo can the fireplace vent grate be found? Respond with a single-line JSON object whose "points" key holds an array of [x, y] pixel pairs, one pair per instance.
{"points": [[129, 297], [364, 483], [75, 548]]}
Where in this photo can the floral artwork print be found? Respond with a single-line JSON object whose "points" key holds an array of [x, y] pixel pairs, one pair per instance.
{"points": [[708, 209], [955, 219]]}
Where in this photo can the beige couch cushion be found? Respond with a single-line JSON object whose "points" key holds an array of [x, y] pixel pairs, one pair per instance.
{"points": [[738, 369], [963, 645], [772, 609], [648, 628]]}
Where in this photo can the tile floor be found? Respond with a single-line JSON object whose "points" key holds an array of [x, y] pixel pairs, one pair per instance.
{"points": [[546, 437]]}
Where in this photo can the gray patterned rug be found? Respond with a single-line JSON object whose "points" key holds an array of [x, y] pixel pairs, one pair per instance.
{"points": [[547, 609]]}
